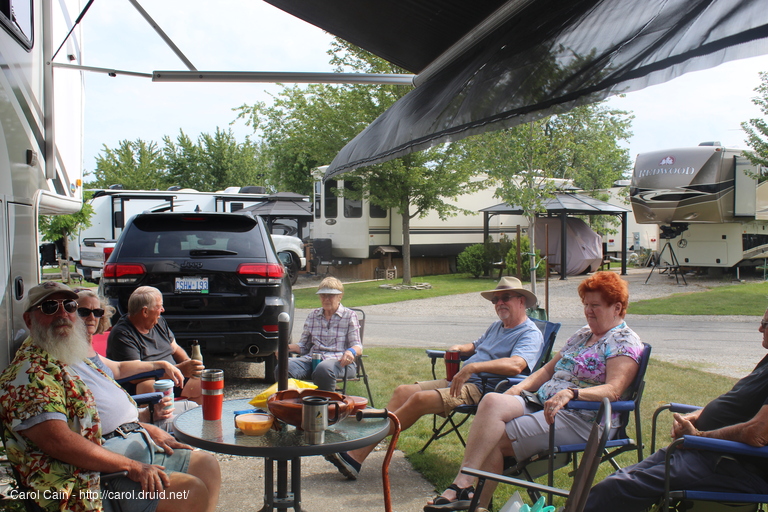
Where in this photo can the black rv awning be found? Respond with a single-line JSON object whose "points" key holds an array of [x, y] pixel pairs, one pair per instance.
{"points": [[487, 65]]}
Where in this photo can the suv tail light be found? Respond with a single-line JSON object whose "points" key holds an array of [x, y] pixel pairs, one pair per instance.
{"points": [[107, 253], [261, 273], [117, 272]]}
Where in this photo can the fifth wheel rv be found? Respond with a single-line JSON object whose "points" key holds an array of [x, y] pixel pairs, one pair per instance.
{"points": [[38, 175], [710, 202]]}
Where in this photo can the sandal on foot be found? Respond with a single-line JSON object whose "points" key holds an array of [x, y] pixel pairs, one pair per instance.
{"points": [[462, 501]]}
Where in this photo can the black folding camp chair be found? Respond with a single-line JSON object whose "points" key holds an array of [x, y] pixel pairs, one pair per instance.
{"points": [[679, 500], [360, 374]]}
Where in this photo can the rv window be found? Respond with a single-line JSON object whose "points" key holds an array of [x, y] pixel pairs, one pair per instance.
{"points": [[353, 208], [16, 16], [331, 201], [377, 212]]}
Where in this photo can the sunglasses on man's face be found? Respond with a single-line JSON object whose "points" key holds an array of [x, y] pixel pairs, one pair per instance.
{"points": [[86, 312], [503, 298], [50, 307]]}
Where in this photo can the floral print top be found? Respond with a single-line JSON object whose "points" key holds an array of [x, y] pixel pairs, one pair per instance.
{"points": [[36, 383], [583, 367]]}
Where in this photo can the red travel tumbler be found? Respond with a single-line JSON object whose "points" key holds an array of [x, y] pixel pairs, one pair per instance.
{"points": [[452, 359], [212, 384]]}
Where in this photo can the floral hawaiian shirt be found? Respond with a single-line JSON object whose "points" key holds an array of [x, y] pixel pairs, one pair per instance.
{"points": [[582, 366], [35, 383]]}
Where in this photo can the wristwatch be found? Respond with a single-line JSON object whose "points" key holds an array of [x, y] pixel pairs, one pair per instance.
{"points": [[575, 393]]}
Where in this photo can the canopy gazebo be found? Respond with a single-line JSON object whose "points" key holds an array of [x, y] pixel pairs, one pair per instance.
{"points": [[563, 205]]}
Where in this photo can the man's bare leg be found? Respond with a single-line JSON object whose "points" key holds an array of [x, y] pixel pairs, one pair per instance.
{"points": [[409, 403]]}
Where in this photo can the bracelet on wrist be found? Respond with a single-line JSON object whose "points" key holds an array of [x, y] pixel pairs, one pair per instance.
{"points": [[575, 393], [354, 352]]}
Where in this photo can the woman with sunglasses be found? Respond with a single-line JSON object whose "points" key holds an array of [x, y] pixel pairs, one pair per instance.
{"points": [[599, 360], [96, 314]]}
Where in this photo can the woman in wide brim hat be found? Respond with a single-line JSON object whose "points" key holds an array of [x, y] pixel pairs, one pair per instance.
{"points": [[512, 284]]}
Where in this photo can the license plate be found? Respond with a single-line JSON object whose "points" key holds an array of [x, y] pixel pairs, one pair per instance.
{"points": [[191, 285]]}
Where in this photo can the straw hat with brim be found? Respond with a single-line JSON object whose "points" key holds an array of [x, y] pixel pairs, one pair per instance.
{"points": [[328, 291], [512, 284], [40, 292]]}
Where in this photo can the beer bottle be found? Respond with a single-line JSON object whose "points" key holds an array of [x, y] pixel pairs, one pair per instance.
{"points": [[196, 354]]}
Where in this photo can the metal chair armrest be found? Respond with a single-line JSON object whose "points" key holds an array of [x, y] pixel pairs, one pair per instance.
{"points": [[672, 407], [621, 405], [435, 354], [506, 384], [723, 445], [156, 374], [147, 398]]}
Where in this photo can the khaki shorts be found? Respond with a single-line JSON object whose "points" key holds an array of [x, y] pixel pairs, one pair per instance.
{"points": [[470, 394]]}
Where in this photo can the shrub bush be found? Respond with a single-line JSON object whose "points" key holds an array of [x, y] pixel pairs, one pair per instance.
{"points": [[473, 260]]}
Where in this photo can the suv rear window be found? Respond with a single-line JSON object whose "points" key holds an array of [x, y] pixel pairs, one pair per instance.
{"points": [[193, 235]]}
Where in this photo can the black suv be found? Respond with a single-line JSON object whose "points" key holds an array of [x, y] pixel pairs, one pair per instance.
{"points": [[221, 280]]}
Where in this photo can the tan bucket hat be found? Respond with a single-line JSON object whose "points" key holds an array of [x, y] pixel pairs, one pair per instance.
{"points": [[512, 284]]}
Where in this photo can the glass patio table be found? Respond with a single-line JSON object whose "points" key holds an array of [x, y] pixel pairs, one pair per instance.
{"points": [[275, 447]]}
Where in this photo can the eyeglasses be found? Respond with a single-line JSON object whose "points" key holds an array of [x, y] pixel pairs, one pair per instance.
{"points": [[50, 307], [504, 298], [85, 312], [764, 324]]}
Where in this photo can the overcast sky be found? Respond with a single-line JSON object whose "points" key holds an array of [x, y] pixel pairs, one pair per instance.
{"points": [[254, 36]]}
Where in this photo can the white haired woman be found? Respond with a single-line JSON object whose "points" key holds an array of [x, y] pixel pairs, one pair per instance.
{"points": [[331, 332]]}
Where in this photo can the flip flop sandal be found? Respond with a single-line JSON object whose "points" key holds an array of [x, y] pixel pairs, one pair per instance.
{"points": [[462, 501]]}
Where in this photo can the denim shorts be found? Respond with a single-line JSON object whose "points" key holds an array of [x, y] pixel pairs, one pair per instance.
{"points": [[123, 494]]}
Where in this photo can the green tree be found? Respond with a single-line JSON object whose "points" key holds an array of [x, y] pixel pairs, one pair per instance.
{"points": [[215, 162], [306, 127], [756, 128], [133, 164], [581, 145], [61, 227]]}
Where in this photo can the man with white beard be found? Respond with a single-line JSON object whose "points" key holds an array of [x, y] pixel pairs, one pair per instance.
{"points": [[64, 422]]}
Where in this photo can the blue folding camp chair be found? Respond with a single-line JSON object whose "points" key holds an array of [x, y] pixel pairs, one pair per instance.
{"points": [[583, 478], [620, 442], [678, 500], [450, 423]]}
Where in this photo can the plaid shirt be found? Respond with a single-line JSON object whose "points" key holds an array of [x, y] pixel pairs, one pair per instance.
{"points": [[330, 338]]}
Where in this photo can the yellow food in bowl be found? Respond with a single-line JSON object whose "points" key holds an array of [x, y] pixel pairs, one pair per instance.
{"points": [[255, 424]]}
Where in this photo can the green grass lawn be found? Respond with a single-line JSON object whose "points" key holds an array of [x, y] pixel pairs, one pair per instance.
{"points": [[369, 293], [439, 464], [740, 299]]}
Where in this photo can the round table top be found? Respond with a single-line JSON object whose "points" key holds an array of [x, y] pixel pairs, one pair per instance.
{"points": [[223, 437]]}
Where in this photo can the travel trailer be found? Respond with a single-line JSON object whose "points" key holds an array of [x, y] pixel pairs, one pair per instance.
{"points": [[90, 247], [40, 153], [710, 202], [346, 231]]}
